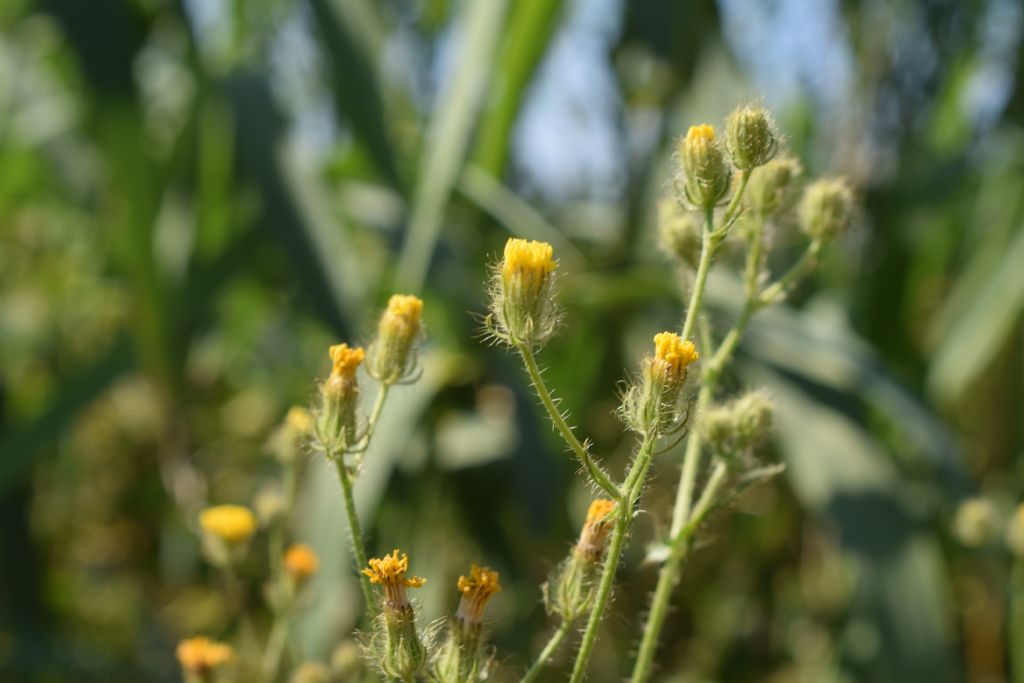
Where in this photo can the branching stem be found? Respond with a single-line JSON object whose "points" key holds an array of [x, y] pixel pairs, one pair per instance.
{"points": [[597, 475]]}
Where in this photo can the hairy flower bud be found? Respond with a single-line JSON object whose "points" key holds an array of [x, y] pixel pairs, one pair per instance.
{"points": [[392, 354], [339, 396], [679, 232], [738, 426], [569, 590], [656, 402], [769, 185], [398, 648], [522, 293], [461, 656], [751, 137], [706, 173], [826, 208]]}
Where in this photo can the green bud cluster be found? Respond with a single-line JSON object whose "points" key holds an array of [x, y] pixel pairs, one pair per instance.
{"points": [[769, 185], [739, 426], [826, 208], [679, 232]]}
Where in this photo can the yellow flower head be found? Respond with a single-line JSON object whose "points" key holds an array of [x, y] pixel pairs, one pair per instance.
{"points": [[345, 360], [200, 655], [404, 309], [477, 588], [300, 562], [595, 529], [527, 258], [706, 174], [391, 355], [672, 354], [299, 419], [233, 524], [701, 134], [389, 571]]}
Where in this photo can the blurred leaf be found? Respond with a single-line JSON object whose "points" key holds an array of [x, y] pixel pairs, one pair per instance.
{"points": [[447, 138], [20, 446], [982, 327], [354, 85], [515, 215], [530, 27]]}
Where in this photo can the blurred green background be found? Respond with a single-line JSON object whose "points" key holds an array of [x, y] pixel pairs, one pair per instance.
{"points": [[198, 196]]}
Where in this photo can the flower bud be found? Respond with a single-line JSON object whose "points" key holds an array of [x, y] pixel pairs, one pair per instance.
{"points": [[976, 523], [522, 298], [461, 657], [825, 208], [706, 174], [339, 397], [300, 563], [751, 137], [201, 658], [398, 648], [347, 661], [569, 590], [311, 672], [392, 355], [679, 232], [739, 426], [226, 532], [656, 403], [287, 440], [769, 185]]}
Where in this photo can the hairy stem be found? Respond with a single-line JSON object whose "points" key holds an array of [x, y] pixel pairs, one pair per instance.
{"points": [[623, 522], [707, 251], [597, 475], [549, 650], [670, 574], [355, 530]]}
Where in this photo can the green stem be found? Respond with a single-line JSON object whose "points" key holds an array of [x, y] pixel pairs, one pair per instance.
{"points": [[275, 646], [732, 210], [623, 522], [378, 406], [597, 475], [1016, 625], [670, 574], [781, 287], [707, 251], [553, 644], [355, 530]]}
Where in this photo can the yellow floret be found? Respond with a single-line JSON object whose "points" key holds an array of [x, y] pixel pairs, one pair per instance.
{"points": [[674, 353], [345, 360]]}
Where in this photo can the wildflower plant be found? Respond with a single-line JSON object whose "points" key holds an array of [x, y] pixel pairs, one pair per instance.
{"points": [[734, 187]]}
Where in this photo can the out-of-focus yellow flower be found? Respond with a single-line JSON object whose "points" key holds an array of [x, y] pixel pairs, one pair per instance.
{"points": [[389, 572], [477, 589], [299, 419], [199, 656], [300, 562], [232, 524]]}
